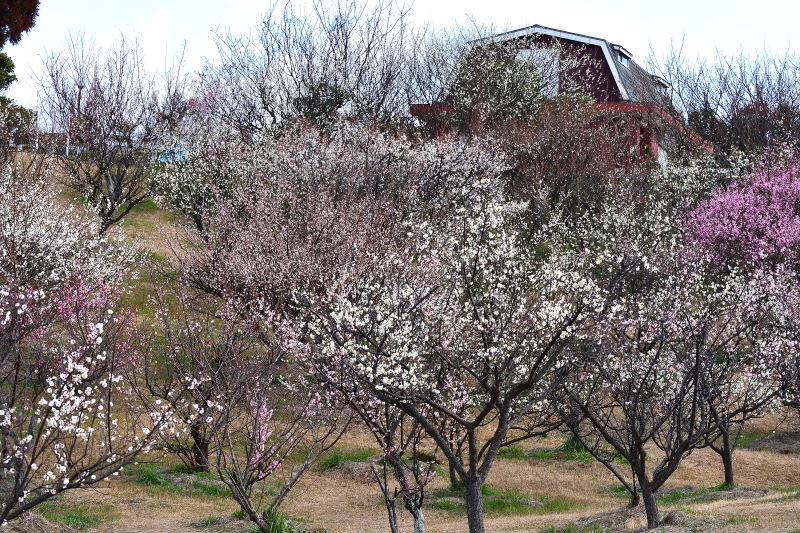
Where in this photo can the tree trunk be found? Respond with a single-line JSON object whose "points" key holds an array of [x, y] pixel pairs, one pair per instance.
{"points": [[419, 520], [391, 509], [474, 500], [635, 499], [413, 504], [200, 447], [255, 517], [650, 503], [454, 479], [727, 458]]}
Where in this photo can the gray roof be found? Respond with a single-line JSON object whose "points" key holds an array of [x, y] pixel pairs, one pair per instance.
{"points": [[640, 85]]}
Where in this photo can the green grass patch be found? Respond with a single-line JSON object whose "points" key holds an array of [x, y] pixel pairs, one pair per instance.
{"points": [[749, 436], [336, 457], [132, 221], [278, 522], [738, 519], [447, 505], [183, 469], [620, 491], [562, 455], [147, 215], [139, 298], [512, 452], [154, 257], [500, 502], [151, 476], [148, 206], [78, 516], [571, 450], [677, 496], [211, 490]]}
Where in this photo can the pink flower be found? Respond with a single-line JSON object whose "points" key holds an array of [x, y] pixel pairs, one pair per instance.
{"points": [[752, 223]]}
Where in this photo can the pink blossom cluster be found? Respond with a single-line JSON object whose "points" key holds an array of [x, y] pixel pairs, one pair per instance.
{"points": [[751, 223]]}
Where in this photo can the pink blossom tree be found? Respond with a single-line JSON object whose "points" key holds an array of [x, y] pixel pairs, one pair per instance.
{"points": [[754, 222], [283, 415]]}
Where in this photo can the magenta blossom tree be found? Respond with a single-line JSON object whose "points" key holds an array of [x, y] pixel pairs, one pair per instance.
{"points": [[753, 222]]}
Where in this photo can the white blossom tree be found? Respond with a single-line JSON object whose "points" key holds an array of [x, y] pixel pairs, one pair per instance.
{"points": [[65, 350], [679, 356], [464, 327]]}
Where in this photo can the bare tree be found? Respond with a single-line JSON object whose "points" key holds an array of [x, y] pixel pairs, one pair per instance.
{"points": [[241, 405], [339, 59], [107, 114], [408, 459], [740, 103]]}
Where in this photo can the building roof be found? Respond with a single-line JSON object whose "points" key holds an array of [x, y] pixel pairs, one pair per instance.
{"points": [[634, 83]]}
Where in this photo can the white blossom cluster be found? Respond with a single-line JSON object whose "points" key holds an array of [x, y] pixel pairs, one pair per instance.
{"points": [[463, 307]]}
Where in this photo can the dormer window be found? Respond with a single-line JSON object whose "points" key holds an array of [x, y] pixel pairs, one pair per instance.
{"points": [[622, 54], [661, 82]]}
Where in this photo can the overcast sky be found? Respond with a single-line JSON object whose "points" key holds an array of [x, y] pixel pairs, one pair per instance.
{"points": [[164, 25]]}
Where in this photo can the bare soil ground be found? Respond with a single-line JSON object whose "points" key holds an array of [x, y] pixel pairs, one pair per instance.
{"points": [[338, 500]]}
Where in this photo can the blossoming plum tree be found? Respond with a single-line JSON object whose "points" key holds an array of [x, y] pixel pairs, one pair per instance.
{"points": [[415, 280], [64, 351], [752, 223], [464, 327], [678, 357]]}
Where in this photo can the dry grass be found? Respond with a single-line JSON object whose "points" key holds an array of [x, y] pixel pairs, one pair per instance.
{"points": [[338, 502]]}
